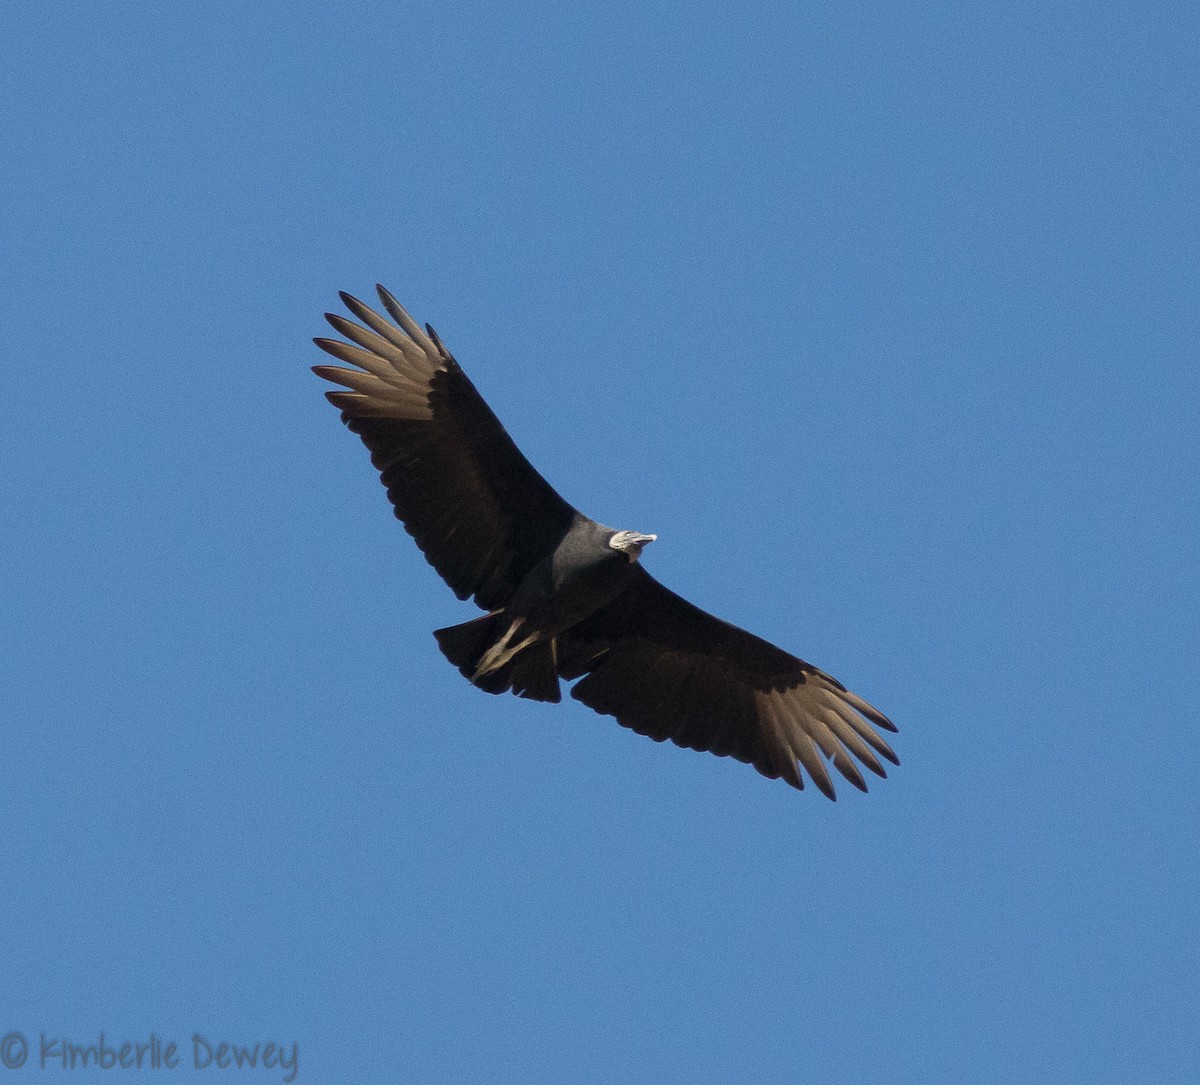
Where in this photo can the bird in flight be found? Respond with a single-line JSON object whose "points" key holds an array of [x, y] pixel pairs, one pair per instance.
{"points": [[566, 597]]}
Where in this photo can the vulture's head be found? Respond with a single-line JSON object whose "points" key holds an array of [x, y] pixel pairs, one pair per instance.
{"points": [[630, 543]]}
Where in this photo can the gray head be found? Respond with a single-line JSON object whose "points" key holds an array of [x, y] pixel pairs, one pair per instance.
{"points": [[630, 543]]}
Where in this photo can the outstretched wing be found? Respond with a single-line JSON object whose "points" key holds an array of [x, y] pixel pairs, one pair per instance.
{"points": [[668, 669], [478, 510]]}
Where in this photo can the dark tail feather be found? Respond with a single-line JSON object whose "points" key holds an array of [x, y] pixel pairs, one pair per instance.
{"points": [[465, 644], [533, 674], [530, 673]]}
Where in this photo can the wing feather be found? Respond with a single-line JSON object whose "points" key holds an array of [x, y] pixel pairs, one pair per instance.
{"points": [[665, 668], [477, 508]]}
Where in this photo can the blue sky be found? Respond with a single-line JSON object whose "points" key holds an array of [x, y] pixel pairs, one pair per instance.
{"points": [[898, 304]]}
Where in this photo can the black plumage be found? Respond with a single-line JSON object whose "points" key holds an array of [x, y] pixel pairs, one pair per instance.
{"points": [[567, 598]]}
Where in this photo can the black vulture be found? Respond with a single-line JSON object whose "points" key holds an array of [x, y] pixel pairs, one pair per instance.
{"points": [[565, 596]]}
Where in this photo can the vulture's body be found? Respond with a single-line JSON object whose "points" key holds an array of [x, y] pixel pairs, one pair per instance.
{"points": [[567, 598]]}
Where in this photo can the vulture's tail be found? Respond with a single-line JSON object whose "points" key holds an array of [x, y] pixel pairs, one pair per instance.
{"points": [[481, 652]]}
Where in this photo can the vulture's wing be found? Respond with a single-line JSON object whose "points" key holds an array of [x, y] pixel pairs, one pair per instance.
{"points": [[667, 669], [478, 510]]}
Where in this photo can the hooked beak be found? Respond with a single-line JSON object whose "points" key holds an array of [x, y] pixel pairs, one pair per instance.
{"points": [[631, 543]]}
